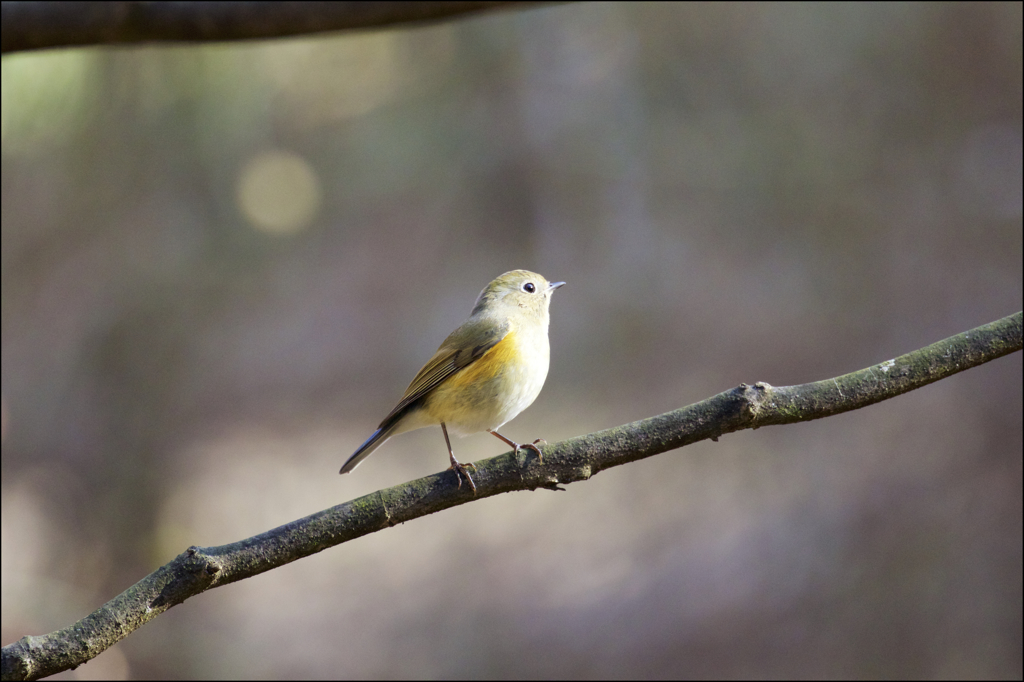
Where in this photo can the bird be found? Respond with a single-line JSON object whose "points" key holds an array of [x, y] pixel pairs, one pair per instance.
{"points": [[491, 368]]}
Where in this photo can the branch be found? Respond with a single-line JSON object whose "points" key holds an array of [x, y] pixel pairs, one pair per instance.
{"points": [[39, 25], [202, 568]]}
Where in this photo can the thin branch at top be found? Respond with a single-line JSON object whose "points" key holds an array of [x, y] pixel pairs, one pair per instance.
{"points": [[202, 568], [40, 25]]}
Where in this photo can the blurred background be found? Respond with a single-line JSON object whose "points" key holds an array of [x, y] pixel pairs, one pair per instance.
{"points": [[223, 264]]}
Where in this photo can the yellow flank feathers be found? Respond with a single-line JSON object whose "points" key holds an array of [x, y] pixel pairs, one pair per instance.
{"points": [[489, 366]]}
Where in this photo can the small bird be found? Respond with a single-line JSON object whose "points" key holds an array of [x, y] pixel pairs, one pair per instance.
{"points": [[485, 373]]}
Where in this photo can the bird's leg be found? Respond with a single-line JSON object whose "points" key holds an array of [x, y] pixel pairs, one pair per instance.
{"points": [[461, 470], [518, 447]]}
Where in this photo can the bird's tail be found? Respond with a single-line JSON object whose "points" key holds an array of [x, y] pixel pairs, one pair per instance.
{"points": [[375, 440]]}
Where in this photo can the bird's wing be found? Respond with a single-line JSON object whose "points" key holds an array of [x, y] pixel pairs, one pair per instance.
{"points": [[463, 347]]}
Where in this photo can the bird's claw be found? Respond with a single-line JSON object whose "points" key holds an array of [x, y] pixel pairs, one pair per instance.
{"points": [[462, 471], [533, 446]]}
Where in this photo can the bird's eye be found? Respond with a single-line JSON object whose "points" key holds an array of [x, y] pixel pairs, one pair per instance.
{"points": [[529, 287]]}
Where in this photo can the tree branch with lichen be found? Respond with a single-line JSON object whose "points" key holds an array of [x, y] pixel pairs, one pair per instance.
{"points": [[745, 407]]}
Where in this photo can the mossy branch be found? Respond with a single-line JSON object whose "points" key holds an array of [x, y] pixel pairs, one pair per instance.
{"points": [[202, 568]]}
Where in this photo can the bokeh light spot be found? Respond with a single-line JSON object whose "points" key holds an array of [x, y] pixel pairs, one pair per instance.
{"points": [[279, 192]]}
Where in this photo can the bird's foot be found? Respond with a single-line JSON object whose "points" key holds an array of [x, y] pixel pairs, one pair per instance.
{"points": [[533, 446], [462, 472]]}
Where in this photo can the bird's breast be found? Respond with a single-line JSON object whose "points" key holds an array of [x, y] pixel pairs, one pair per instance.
{"points": [[489, 392]]}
